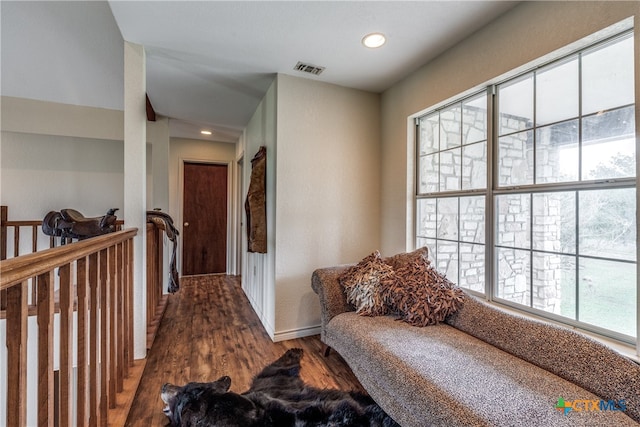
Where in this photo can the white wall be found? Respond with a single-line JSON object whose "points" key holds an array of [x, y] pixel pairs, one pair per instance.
{"points": [[258, 275], [59, 156], [51, 118], [158, 164], [39, 136], [327, 191], [135, 182], [158, 181], [42, 173], [530, 31], [322, 195]]}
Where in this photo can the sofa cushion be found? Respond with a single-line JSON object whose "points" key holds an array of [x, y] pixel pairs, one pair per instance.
{"points": [[441, 376], [362, 285], [421, 295]]}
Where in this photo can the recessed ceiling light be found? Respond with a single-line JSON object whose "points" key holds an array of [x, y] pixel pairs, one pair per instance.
{"points": [[205, 132], [374, 40]]}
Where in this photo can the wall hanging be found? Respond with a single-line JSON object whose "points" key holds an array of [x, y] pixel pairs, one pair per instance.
{"points": [[256, 203]]}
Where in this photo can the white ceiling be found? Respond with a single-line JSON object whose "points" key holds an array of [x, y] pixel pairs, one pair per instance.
{"points": [[209, 63]]}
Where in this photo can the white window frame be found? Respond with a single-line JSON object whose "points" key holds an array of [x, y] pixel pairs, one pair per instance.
{"points": [[492, 190]]}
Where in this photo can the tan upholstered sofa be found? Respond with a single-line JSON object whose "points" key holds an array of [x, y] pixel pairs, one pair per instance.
{"points": [[481, 367]]}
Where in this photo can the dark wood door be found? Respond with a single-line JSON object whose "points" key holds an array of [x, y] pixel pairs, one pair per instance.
{"points": [[204, 247]]}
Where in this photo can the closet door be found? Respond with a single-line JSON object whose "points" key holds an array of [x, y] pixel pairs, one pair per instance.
{"points": [[204, 228]]}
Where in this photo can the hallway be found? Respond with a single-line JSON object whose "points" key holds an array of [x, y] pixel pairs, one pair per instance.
{"points": [[209, 330]]}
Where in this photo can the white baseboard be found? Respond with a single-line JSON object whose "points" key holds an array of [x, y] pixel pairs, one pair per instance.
{"points": [[296, 333], [258, 310]]}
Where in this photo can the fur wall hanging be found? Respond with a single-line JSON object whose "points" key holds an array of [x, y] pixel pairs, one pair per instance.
{"points": [[256, 203]]}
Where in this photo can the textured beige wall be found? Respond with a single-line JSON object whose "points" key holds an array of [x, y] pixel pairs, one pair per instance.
{"points": [[327, 191], [51, 118], [55, 156], [40, 173], [322, 194], [71, 139], [530, 31], [158, 164]]}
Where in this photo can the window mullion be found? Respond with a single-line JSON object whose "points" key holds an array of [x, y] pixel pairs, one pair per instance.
{"points": [[577, 207], [490, 222], [416, 180], [534, 132], [579, 116], [531, 250], [577, 289]]}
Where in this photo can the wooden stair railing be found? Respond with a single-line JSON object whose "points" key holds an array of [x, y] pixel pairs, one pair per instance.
{"points": [[101, 268], [12, 232], [156, 298]]}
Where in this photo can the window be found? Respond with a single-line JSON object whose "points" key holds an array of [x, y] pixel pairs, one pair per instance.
{"points": [[452, 182], [563, 190]]}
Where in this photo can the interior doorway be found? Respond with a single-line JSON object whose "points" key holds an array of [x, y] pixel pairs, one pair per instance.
{"points": [[204, 207]]}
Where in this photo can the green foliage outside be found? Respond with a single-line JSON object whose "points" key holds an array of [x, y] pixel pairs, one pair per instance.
{"points": [[607, 228]]}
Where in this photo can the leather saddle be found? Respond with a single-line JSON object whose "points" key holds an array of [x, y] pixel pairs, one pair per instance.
{"points": [[69, 223]]}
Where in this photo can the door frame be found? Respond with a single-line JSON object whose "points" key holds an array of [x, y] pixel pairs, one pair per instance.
{"points": [[239, 215], [231, 213]]}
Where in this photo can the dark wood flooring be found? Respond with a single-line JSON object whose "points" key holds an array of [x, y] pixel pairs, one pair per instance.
{"points": [[209, 330]]}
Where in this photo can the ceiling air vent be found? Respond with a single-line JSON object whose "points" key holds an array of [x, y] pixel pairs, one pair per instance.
{"points": [[308, 68]]}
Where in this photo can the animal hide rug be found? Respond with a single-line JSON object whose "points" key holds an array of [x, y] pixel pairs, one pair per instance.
{"points": [[277, 398]]}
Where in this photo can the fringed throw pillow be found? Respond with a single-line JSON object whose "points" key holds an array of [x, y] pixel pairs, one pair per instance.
{"points": [[362, 285], [421, 295], [401, 260]]}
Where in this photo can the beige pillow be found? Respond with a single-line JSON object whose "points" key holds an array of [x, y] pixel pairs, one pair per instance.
{"points": [[362, 285], [421, 295]]}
